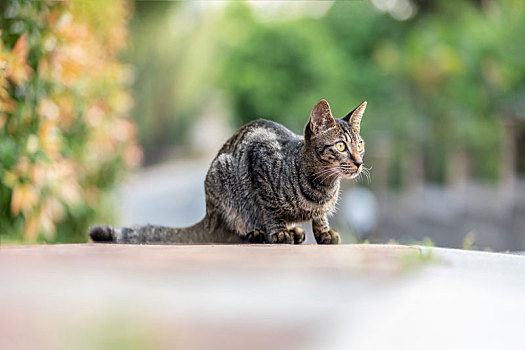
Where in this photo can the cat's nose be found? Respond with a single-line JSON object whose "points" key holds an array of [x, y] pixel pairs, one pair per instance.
{"points": [[357, 163]]}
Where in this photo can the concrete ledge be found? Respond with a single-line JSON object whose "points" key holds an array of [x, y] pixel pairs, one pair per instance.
{"points": [[260, 297]]}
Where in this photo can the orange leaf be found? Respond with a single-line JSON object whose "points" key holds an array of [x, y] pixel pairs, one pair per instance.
{"points": [[24, 198], [18, 71]]}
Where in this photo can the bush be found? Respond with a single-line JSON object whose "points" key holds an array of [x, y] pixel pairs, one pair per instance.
{"points": [[65, 135]]}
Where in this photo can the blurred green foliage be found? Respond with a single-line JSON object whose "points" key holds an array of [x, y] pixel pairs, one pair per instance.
{"points": [[437, 83], [441, 79], [65, 135]]}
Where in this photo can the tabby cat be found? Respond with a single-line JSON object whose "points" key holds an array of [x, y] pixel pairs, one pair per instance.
{"points": [[264, 179]]}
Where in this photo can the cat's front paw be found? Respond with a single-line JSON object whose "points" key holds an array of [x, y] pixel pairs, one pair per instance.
{"points": [[298, 234], [284, 236], [256, 236], [327, 237]]}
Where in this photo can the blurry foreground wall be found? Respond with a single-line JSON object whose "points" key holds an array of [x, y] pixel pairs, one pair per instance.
{"points": [[65, 135]]}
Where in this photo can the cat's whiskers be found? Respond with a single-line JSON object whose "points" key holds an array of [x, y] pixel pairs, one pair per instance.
{"points": [[328, 175], [333, 173], [322, 173], [360, 176], [338, 172], [328, 169], [324, 168], [366, 172]]}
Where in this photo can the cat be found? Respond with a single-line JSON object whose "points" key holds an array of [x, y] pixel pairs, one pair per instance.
{"points": [[264, 179]]}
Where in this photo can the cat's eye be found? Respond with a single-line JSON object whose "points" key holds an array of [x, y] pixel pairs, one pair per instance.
{"points": [[360, 146], [341, 146]]}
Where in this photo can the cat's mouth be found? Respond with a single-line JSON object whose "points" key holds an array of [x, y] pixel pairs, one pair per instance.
{"points": [[350, 173]]}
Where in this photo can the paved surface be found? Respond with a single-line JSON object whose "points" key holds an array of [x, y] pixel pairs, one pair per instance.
{"points": [[260, 297]]}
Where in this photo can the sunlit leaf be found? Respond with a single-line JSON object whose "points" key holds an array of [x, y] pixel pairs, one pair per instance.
{"points": [[18, 70]]}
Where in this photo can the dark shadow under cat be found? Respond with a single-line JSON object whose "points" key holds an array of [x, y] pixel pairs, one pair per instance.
{"points": [[265, 179]]}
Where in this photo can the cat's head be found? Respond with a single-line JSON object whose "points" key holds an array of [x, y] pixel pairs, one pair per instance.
{"points": [[336, 143]]}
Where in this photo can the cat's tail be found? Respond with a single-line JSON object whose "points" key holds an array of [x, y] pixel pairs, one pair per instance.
{"points": [[149, 234]]}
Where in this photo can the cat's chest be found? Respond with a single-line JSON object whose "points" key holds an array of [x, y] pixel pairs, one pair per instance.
{"points": [[305, 209]]}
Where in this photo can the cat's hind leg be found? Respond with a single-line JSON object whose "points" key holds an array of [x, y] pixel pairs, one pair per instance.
{"points": [[226, 200]]}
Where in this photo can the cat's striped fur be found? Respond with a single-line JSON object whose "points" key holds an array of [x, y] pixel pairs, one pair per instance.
{"points": [[264, 179]]}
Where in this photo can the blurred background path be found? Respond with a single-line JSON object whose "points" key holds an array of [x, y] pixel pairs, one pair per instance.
{"points": [[169, 194]]}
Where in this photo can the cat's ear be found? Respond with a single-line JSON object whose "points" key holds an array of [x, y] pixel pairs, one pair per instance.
{"points": [[354, 117], [321, 117]]}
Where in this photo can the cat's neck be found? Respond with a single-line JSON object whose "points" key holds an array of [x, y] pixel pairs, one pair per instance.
{"points": [[320, 176]]}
